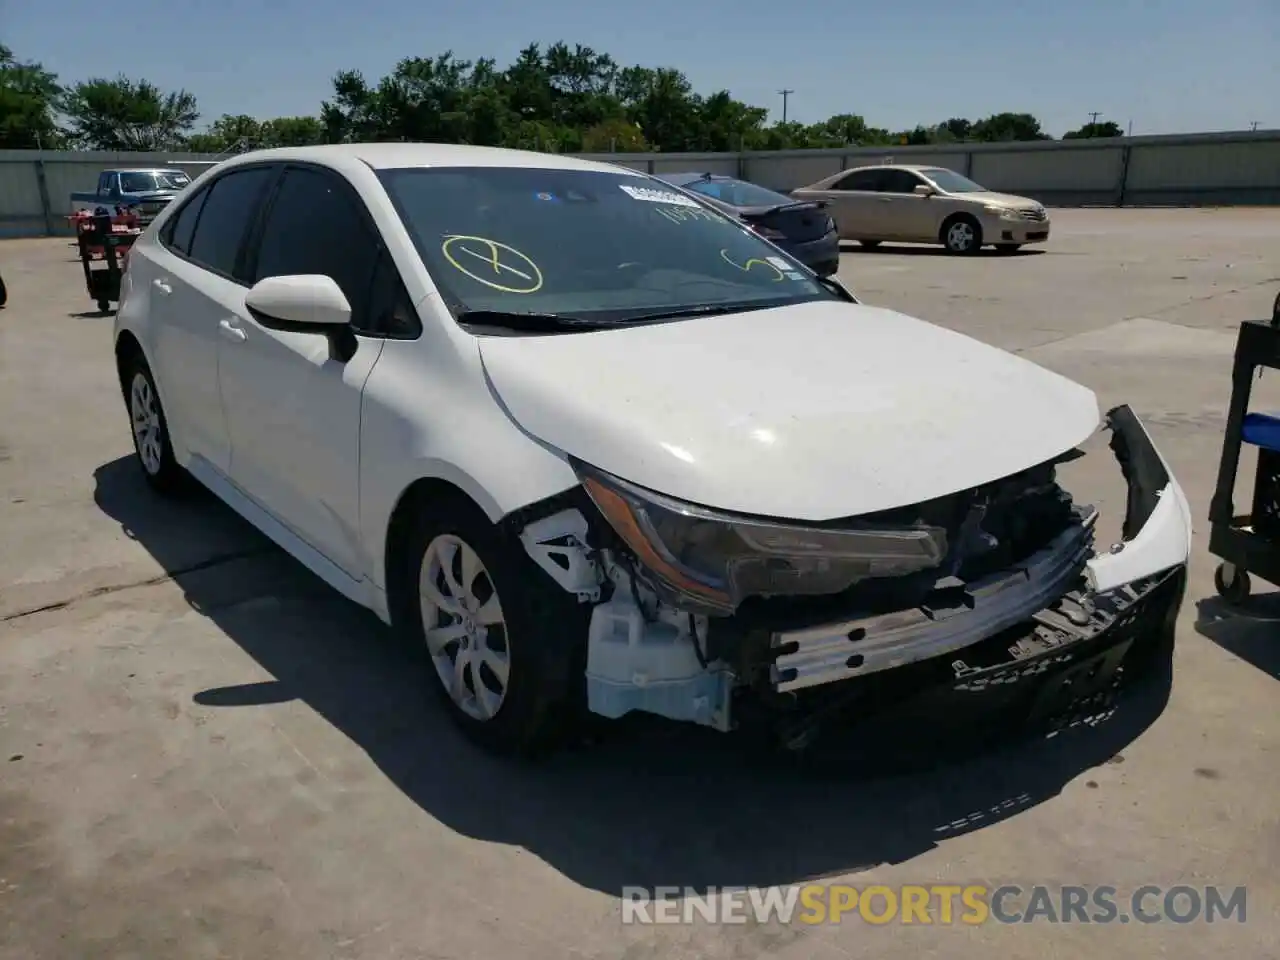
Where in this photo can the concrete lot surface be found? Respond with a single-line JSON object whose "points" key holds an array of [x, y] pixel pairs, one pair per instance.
{"points": [[205, 753]]}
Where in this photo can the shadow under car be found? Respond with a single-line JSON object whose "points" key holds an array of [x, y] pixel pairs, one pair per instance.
{"points": [[646, 802]]}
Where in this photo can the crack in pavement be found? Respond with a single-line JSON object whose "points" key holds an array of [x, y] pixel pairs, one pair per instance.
{"points": [[166, 577]]}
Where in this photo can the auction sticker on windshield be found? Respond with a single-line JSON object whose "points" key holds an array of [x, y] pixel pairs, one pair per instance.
{"points": [[658, 196]]}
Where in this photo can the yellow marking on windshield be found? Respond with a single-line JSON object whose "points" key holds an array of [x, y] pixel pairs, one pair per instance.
{"points": [[746, 267], [499, 257]]}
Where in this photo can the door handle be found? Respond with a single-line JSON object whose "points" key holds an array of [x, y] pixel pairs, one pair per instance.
{"points": [[231, 331], [162, 286]]}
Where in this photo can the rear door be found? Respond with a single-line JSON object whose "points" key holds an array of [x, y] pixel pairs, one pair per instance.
{"points": [[852, 204], [293, 409], [192, 286]]}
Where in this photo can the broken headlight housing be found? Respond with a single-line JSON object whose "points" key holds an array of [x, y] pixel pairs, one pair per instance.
{"points": [[707, 561]]}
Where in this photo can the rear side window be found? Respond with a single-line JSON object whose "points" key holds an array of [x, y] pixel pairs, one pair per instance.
{"points": [[229, 209], [314, 226], [178, 231], [859, 180]]}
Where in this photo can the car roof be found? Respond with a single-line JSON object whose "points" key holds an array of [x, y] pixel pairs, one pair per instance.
{"points": [[916, 167], [388, 156]]}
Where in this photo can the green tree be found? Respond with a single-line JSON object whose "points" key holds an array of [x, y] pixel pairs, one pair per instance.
{"points": [[1002, 127], [228, 134], [29, 96], [847, 129], [124, 114], [617, 134], [292, 132], [571, 97], [1089, 131], [955, 129]]}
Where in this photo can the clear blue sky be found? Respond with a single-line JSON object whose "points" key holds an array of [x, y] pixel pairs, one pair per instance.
{"points": [[1166, 65]]}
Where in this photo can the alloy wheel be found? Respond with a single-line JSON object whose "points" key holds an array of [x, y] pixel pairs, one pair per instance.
{"points": [[145, 413], [464, 628], [960, 236]]}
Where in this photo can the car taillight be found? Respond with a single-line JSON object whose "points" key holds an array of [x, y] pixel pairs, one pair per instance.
{"points": [[768, 232]]}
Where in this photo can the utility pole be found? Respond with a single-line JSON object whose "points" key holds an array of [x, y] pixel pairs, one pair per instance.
{"points": [[1093, 117], [785, 94], [1253, 125]]}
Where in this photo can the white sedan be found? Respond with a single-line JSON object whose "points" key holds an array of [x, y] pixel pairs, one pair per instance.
{"points": [[588, 445]]}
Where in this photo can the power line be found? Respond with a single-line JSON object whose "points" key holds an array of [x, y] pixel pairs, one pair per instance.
{"points": [[785, 94]]}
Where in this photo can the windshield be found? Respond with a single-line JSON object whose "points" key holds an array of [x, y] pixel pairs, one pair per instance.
{"points": [[738, 193], [142, 182], [601, 246], [952, 182]]}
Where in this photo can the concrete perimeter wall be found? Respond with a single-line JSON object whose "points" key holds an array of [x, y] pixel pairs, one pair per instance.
{"points": [[1208, 169]]}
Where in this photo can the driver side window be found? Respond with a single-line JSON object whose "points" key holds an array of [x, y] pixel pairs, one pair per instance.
{"points": [[899, 181]]}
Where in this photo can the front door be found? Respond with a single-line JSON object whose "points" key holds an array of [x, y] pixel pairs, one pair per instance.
{"points": [[903, 214], [293, 408]]}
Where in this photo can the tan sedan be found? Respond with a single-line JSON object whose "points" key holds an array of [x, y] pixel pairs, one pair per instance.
{"points": [[922, 204]]}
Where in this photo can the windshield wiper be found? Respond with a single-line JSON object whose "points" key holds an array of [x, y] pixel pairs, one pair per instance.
{"points": [[703, 310], [538, 322]]}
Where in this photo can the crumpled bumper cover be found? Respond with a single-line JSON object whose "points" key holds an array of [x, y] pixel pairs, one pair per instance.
{"points": [[1040, 613]]}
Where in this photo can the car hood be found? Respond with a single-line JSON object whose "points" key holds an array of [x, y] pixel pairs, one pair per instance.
{"points": [[810, 412], [1000, 199]]}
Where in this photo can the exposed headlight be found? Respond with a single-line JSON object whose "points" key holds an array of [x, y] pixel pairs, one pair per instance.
{"points": [[1004, 213], [712, 561]]}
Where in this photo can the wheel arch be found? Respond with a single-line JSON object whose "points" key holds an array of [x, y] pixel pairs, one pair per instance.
{"points": [[127, 350], [434, 488]]}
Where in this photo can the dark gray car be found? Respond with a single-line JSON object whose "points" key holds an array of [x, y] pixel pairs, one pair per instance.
{"points": [[803, 228]]}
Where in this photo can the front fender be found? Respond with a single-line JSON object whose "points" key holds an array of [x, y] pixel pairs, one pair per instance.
{"points": [[468, 442]]}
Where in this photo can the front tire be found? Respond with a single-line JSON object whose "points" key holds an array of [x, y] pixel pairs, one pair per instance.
{"points": [[151, 442], [505, 646], [962, 235]]}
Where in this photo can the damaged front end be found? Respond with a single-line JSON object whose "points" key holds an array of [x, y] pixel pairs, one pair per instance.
{"points": [[695, 612]]}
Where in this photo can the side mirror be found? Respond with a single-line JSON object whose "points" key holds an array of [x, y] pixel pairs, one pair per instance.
{"points": [[924, 190], [305, 303]]}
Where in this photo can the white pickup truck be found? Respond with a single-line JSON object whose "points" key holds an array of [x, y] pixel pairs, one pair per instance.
{"points": [[148, 191]]}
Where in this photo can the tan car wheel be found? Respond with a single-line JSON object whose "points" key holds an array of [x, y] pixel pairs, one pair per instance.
{"points": [[962, 235]]}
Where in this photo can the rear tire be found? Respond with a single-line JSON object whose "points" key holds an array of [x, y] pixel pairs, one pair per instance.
{"points": [[151, 442], [4, 293], [503, 647], [962, 235], [870, 244]]}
